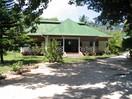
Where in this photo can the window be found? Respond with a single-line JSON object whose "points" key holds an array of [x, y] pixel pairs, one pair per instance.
{"points": [[80, 43], [60, 42], [96, 43], [91, 43]]}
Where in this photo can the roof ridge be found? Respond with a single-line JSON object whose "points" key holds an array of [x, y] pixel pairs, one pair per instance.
{"points": [[63, 22], [72, 28]]}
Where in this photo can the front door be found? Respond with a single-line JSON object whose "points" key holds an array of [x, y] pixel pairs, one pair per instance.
{"points": [[71, 45]]}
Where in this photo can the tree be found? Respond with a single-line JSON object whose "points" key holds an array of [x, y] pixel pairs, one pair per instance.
{"points": [[112, 11], [52, 53], [115, 43], [6, 21], [15, 40], [18, 15], [83, 18]]}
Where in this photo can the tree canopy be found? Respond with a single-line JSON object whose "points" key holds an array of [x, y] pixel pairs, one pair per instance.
{"points": [[16, 16], [112, 11], [83, 18]]}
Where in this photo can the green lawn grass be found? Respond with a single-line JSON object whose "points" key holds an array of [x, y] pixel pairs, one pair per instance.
{"points": [[4, 69], [85, 58], [10, 59]]}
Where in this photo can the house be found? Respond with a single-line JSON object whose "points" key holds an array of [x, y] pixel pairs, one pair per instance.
{"points": [[72, 37]]}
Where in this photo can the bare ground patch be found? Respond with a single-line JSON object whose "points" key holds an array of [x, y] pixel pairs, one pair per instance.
{"points": [[102, 79]]}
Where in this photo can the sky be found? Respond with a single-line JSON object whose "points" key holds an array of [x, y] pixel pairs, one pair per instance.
{"points": [[62, 10]]}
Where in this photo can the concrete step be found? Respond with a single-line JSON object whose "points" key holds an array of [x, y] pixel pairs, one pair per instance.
{"points": [[73, 55]]}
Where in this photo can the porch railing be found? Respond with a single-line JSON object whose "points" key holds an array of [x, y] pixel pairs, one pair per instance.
{"points": [[82, 49], [88, 49], [60, 49]]}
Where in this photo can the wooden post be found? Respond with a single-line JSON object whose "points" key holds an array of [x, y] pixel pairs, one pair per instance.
{"points": [[63, 44], [78, 44], [94, 46], [46, 42]]}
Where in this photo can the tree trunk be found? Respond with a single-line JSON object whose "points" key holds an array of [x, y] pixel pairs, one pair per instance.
{"points": [[1, 56], [1, 49]]}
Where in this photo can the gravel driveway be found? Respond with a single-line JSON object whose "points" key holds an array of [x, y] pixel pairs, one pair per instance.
{"points": [[102, 79]]}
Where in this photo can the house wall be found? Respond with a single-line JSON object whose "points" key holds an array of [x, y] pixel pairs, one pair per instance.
{"points": [[85, 43], [102, 39], [102, 45]]}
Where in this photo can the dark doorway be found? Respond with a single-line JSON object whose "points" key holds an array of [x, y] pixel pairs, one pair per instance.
{"points": [[71, 45]]}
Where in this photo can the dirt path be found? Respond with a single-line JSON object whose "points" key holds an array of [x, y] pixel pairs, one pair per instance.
{"points": [[102, 79]]}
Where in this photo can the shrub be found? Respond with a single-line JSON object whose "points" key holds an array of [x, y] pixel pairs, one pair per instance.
{"points": [[107, 51], [52, 53], [17, 66], [115, 43], [42, 49], [38, 50]]}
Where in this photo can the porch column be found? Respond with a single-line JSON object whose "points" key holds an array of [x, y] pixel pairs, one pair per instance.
{"points": [[63, 44], [46, 42], [94, 46], [78, 44]]}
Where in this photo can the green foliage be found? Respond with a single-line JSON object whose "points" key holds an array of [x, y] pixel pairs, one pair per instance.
{"points": [[127, 43], [4, 69], [83, 18], [115, 43], [15, 18], [38, 50], [127, 40], [16, 39], [17, 66], [42, 48], [107, 51], [52, 53], [112, 11]]}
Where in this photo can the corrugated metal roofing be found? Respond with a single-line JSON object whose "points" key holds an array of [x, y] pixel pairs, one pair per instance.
{"points": [[96, 32], [43, 28], [68, 28]]}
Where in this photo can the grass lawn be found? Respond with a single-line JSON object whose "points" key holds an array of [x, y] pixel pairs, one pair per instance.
{"points": [[86, 58], [9, 60], [27, 60]]}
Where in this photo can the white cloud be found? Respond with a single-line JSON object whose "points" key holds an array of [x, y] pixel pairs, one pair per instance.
{"points": [[62, 10]]}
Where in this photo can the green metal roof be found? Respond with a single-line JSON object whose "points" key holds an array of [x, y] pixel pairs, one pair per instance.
{"points": [[96, 32], [67, 28], [43, 28]]}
